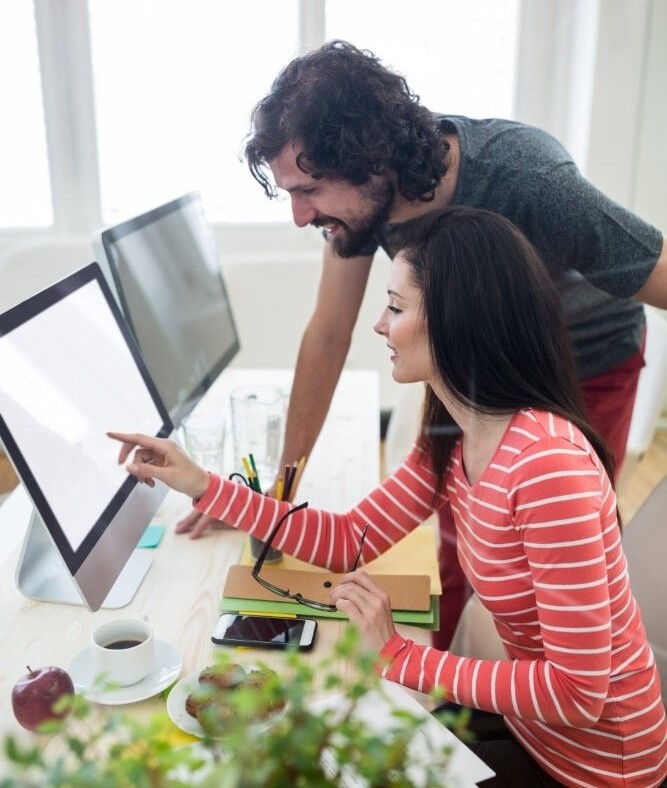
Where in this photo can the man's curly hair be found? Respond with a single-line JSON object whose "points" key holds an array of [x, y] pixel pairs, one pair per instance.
{"points": [[353, 119]]}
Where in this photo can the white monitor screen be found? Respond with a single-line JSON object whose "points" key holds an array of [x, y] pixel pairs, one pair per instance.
{"points": [[166, 271], [69, 372]]}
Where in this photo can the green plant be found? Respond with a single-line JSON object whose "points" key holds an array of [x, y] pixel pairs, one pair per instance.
{"points": [[301, 746]]}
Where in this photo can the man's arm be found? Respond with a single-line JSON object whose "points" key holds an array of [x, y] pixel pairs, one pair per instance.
{"points": [[654, 289], [322, 354], [324, 347]]}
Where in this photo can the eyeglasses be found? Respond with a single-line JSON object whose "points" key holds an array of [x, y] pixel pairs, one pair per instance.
{"points": [[313, 603]]}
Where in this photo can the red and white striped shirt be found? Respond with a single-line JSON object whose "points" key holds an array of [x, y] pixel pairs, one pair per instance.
{"points": [[539, 541]]}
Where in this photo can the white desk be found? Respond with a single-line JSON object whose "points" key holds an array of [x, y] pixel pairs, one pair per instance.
{"points": [[183, 586], [182, 589], [343, 467]]}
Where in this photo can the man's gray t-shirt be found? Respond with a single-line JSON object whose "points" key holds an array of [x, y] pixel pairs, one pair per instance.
{"points": [[597, 253]]}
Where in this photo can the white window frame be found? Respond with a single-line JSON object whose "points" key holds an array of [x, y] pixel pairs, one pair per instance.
{"points": [[66, 72]]}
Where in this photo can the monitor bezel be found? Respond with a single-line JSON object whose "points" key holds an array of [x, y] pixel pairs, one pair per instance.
{"points": [[110, 236], [12, 319]]}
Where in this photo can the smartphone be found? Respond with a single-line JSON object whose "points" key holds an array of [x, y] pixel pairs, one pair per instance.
{"points": [[236, 629]]}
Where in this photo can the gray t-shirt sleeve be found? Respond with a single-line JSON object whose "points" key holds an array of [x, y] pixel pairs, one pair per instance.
{"points": [[526, 175], [611, 247]]}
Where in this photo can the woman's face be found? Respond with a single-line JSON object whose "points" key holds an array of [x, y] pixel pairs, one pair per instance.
{"points": [[404, 327]]}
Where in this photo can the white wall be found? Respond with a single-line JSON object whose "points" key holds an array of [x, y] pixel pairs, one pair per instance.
{"points": [[627, 155], [273, 300], [619, 79], [648, 187]]}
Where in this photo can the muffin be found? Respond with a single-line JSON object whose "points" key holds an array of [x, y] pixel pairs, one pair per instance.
{"points": [[223, 678], [195, 700], [215, 715], [259, 679]]}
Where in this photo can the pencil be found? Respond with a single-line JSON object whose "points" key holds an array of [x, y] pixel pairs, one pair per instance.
{"points": [[261, 614], [253, 478], [252, 463], [279, 488], [289, 473]]}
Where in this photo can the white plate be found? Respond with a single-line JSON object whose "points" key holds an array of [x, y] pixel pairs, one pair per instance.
{"points": [[176, 704], [166, 670]]}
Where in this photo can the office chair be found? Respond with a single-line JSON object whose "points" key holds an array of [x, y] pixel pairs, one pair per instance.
{"points": [[475, 635], [645, 545]]}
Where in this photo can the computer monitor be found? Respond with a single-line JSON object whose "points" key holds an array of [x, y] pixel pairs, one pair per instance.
{"points": [[165, 269], [70, 371]]}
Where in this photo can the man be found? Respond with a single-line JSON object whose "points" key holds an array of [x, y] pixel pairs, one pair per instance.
{"points": [[356, 152]]}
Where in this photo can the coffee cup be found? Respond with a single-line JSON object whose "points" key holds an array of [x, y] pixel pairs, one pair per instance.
{"points": [[122, 651]]}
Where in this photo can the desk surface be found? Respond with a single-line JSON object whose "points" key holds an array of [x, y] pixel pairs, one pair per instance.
{"points": [[181, 591]]}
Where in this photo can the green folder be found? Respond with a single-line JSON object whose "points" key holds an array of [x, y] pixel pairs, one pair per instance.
{"points": [[429, 619]]}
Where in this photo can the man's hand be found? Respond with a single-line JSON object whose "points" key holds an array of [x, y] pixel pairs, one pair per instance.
{"points": [[196, 524], [367, 606]]}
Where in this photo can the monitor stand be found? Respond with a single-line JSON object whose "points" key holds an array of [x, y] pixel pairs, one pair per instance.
{"points": [[41, 573]]}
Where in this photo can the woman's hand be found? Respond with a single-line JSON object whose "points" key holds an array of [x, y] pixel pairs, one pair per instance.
{"points": [[158, 458], [367, 606]]}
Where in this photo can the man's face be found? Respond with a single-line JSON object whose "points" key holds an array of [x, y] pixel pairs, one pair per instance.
{"points": [[349, 214]]}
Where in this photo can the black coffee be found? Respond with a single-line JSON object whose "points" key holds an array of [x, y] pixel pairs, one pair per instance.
{"points": [[123, 644]]}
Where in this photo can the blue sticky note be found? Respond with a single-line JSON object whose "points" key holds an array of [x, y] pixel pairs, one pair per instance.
{"points": [[152, 536]]}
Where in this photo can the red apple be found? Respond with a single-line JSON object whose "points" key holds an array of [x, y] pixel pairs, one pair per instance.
{"points": [[35, 694]]}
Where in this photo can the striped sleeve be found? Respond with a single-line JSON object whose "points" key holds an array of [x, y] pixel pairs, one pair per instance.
{"points": [[331, 539]]}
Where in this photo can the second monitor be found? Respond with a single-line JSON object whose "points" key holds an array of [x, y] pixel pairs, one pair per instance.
{"points": [[165, 269]]}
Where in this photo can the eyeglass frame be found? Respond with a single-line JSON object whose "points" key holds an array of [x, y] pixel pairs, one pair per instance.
{"points": [[312, 603]]}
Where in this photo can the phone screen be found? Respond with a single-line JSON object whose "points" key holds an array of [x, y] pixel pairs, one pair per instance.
{"points": [[264, 631]]}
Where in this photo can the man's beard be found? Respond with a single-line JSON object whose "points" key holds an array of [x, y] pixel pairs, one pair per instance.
{"points": [[358, 238]]}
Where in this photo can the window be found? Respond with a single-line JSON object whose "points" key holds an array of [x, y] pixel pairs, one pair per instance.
{"points": [[25, 195], [458, 57], [174, 83], [153, 97]]}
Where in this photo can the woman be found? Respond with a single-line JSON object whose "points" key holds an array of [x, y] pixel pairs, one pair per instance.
{"points": [[505, 444]]}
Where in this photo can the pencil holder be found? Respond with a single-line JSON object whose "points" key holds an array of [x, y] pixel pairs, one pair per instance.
{"points": [[272, 557]]}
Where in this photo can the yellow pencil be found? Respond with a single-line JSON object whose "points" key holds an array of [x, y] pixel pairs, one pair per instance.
{"points": [[246, 467], [257, 614], [279, 488]]}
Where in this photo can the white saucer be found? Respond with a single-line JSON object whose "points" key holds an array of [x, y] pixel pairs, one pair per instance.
{"points": [[166, 670]]}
